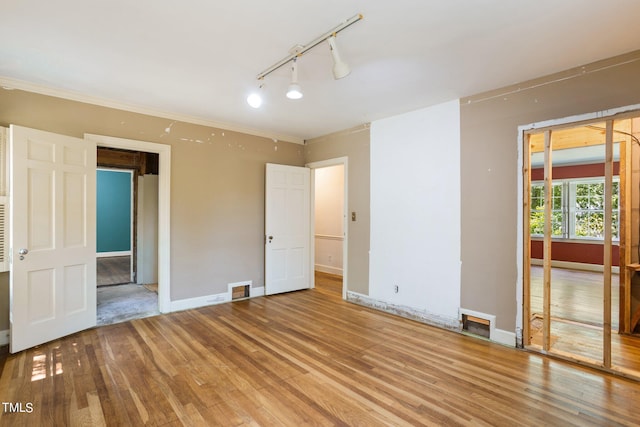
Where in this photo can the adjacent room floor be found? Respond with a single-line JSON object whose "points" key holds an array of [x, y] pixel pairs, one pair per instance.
{"points": [[577, 317], [120, 300]]}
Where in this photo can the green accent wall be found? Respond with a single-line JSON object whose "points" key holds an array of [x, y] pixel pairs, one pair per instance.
{"points": [[113, 206]]}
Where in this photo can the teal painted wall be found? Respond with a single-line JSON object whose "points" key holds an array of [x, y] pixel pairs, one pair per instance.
{"points": [[113, 211]]}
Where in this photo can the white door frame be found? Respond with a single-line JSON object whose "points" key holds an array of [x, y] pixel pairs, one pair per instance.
{"points": [[345, 241], [164, 207]]}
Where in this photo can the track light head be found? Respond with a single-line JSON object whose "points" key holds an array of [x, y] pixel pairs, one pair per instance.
{"points": [[340, 68], [294, 91]]}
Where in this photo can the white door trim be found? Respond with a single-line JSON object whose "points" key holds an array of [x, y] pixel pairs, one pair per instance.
{"points": [[345, 241], [164, 207]]}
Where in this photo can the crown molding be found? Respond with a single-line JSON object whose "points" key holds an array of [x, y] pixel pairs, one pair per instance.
{"points": [[10, 84]]}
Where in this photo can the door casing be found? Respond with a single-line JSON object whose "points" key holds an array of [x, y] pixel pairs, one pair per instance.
{"points": [[345, 242], [164, 211]]}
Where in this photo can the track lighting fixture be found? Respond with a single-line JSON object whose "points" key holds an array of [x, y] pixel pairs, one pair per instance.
{"points": [[294, 91], [340, 68]]}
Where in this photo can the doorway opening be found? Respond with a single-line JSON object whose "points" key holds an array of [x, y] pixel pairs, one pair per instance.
{"points": [[581, 227], [114, 226], [127, 211], [329, 225]]}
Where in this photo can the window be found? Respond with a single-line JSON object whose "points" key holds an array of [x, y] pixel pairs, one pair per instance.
{"points": [[588, 209], [537, 210], [577, 209]]}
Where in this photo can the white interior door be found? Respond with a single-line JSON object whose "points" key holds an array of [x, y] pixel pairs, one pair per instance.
{"points": [[287, 218], [52, 237]]}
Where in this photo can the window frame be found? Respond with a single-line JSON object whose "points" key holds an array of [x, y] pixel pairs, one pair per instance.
{"points": [[568, 208]]}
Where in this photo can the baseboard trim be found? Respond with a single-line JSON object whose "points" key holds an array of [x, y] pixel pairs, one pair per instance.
{"points": [[499, 336], [112, 254], [504, 337], [203, 301], [4, 337], [403, 311], [328, 269], [197, 302], [256, 292]]}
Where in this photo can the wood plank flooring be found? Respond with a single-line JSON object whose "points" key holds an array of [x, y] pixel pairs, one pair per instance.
{"points": [[302, 358], [113, 270], [576, 318]]}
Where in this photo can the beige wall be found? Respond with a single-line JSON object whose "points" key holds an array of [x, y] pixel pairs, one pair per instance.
{"points": [[489, 153], [217, 187], [354, 144], [217, 200]]}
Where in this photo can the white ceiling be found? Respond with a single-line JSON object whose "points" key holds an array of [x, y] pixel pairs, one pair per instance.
{"points": [[200, 58]]}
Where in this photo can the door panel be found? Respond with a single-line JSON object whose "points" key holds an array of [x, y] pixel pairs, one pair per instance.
{"points": [[52, 208], [287, 231]]}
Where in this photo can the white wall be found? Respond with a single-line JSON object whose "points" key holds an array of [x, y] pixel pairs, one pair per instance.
{"points": [[415, 210], [329, 218]]}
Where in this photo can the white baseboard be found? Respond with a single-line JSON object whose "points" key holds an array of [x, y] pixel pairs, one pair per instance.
{"points": [[110, 254], [257, 292], [203, 301], [497, 335], [404, 311], [197, 302], [4, 337], [504, 337], [576, 265], [328, 269]]}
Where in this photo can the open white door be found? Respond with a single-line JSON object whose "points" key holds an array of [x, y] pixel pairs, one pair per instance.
{"points": [[287, 239], [52, 237]]}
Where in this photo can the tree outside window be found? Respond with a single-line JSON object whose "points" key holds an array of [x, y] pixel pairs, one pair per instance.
{"points": [[577, 209], [537, 210], [588, 215]]}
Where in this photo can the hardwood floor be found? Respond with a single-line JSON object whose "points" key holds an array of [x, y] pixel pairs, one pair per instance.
{"points": [[575, 295], [577, 318], [301, 358]]}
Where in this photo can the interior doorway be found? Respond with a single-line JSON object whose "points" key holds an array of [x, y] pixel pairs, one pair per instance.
{"points": [[581, 229], [329, 181], [114, 226], [127, 235]]}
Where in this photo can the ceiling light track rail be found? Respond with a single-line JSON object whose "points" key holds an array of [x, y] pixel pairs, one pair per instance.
{"points": [[299, 51]]}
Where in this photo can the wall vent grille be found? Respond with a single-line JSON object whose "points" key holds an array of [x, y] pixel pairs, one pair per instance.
{"points": [[240, 292], [476, 326]]}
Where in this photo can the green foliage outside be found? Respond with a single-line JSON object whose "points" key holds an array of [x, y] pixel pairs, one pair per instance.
{"points": [[588, 210]]}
